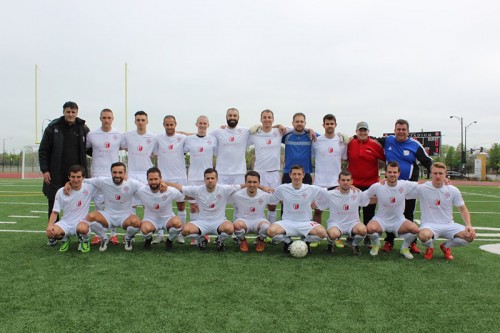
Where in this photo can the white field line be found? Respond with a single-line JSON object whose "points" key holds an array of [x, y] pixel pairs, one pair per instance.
{"points": [[24, 203], [38, 211], [25, 216], [2, 222], [487, 228], [482, 195]]}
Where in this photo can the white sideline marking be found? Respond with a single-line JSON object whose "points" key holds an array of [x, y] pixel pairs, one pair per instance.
{"points": [[493, 248], [2, 222], [482, 195], [25, 217], [491, 235], [24, 203], [44, 211], [487, 228]]}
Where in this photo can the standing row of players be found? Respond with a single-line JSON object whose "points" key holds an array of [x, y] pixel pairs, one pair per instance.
{"points": [[437, 201]]}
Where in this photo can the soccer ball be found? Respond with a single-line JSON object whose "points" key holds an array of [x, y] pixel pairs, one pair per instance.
{"points": [[298, 249]]}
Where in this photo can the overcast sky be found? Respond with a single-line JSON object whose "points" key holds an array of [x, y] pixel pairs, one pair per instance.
{"points": [[360, 60]]}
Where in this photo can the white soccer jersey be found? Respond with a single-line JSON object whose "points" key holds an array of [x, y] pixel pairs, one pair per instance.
{"points": [[231, 148], [170, 151], [201, 152], [267, 150], [391, 200], [250, 207], [140, 148], [212, 204], [436, 204], [344, 208], [74, 206], [158, 206], [117, 198], [105, 150], [297, 202], [328, 155]]}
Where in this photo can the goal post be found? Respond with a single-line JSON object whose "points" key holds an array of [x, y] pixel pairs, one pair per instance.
{"points": [[30, 168]]}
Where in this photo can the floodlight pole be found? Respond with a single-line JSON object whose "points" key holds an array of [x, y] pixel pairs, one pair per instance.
{"points": [[462, 153], [465, 137]]}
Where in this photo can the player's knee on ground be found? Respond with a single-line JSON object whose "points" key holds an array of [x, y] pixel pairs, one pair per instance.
{"points": [[424, 235]]}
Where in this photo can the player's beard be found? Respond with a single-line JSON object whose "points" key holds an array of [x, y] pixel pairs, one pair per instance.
{"points": [[117, 180], [155, 187], [232, 123]]}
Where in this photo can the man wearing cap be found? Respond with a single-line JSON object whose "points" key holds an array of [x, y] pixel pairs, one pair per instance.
{"points": [[363, 154]]}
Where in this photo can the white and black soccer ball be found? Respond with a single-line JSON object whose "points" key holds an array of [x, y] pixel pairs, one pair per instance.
{"points": [[298, 249]]}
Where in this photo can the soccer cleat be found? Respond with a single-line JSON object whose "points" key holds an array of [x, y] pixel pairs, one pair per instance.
{"points": [[158, 239], [268, 240], [104, 244], [429, 253], [236, 240], [330, 248], [244, 245], [96, 240], [114, 240], [220, 245], [147, 243], [128, 244], [356, 250], [79, 243], [169, 245], [85, 247], [406, 253], [180, 239], [64, 246], [309, 251], [202, 245], [414, 249], [261, 245], [374, 250], [387, 247], [194, 242], [286, 247], [446, 252], [207, 237], [313, 244], [339, 244], [52, 242]]}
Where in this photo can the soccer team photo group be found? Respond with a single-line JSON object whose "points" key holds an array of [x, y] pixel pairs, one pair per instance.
{"points": [[301, 187]]}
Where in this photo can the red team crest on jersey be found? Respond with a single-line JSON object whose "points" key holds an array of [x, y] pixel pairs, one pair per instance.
{"points": [[231, 139], [346, 207], [296, 206], [211, 205], [330, 150], [269, 141], [170, 147], [200, 150], [140, 148], [437, 202], [118, 197], [107, 145], [156, 206], [392, 199], [252, 209], [79, 203]]}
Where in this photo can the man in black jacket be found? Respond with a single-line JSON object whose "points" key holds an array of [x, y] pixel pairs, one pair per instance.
{"points": [[63, 145]]}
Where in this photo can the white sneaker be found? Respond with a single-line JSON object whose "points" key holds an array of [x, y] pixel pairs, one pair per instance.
{"points": [[406, 253], [180, 239], [104, 244], [158, 239]]}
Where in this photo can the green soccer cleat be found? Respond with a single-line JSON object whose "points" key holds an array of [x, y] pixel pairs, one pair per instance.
{"points": [[64, 247], [406, 253], [85, 247], [374, 250]]}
